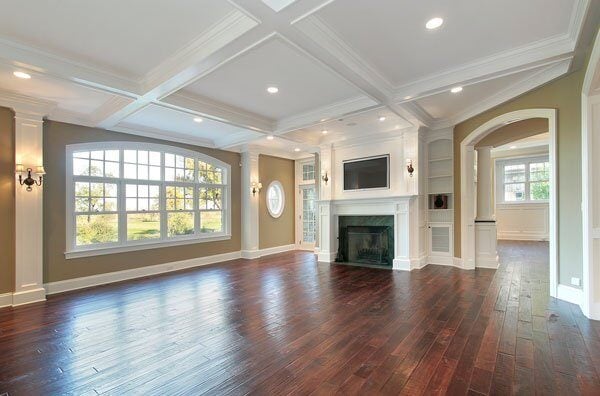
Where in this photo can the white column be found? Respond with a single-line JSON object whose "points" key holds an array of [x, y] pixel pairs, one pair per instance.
{"points": [[485, 209], [327, 246], [250, 202], [486, 254], [29, 284]]}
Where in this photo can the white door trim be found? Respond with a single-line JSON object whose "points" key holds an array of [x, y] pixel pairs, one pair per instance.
{"points": [[467, 177], [590, 136]]}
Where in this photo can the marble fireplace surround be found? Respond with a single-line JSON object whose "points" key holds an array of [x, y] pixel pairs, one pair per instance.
{"points": [[406, 230]]}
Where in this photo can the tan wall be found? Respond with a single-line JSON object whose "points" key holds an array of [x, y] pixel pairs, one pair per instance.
{"points": [[515, 131], [7, 200], [564, 95], [280, 231], [58, 135]]}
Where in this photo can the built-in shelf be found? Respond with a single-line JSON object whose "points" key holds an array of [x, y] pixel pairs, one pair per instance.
{"points": [[440, 181]]}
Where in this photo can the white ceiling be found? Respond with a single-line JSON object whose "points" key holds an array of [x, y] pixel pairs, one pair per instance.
{"points": [[128, 37], [541, 140], [304, 84], [149, 66], [445, 104], [391, 35]]}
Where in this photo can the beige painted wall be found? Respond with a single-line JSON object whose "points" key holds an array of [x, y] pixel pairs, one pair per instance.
{"points": [[7, 200], [564, 95], [58, 135], [515, 131], [276, 232]]}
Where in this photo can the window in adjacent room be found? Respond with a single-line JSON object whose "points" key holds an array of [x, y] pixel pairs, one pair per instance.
{"points": [[523, 180]]}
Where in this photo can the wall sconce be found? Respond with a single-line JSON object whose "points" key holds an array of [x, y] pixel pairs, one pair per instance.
{"points": [[256, 187], [325, 178], [30, 181], [409, 167]]}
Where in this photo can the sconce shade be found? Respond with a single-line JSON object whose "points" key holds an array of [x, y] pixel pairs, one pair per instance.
{"points": [[19, 168], [40, 170]]}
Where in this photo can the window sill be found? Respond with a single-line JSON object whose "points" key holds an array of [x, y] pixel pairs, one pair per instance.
{"points": [[523, 203], [73, 254]]}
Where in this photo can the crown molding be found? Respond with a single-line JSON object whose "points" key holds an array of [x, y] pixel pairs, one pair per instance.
{"points": [[362, 140], [229, 28], [544, 76], [37, 61], [262, 150], [161, 134], [110, 107], [217, 111], [24, 104], [498, 65], [334, 110], [523, 58]]}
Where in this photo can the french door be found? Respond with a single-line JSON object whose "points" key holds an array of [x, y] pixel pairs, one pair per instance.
{"points": [[307, 223]]}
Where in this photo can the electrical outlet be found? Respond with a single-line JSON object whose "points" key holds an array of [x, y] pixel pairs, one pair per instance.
{"points": [[576, 281]]}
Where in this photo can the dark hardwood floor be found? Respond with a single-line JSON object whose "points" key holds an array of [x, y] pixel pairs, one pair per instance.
{"points": [[286, 324]]}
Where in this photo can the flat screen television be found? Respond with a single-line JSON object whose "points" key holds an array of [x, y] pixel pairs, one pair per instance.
{"points": [[367, 173]]}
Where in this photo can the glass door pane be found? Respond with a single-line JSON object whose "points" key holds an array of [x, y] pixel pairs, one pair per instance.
{"points": [[308, 214]]}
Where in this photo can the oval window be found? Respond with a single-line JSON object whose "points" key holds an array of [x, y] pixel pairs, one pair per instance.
{"points": [[275, 199]]}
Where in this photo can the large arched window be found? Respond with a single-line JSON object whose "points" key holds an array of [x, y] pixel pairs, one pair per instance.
{"points": [[125, 196]]}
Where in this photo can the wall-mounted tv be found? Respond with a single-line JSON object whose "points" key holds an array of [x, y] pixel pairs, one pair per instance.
{"points": [[367, 173]]}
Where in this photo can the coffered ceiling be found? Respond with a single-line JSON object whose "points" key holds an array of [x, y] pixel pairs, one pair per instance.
{"points": [[149, 67]]}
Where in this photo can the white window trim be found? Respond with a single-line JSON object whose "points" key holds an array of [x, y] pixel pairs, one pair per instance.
{"points": [[74, 251], [275, 183], [501, 162]]}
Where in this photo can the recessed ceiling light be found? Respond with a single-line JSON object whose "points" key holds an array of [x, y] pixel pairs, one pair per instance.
{"points": [[270, 137], [513, 147], [23, 75], [323, 119], [272, 90], [456, 89], [198, 119], [407, 97], [296, 149], [324, 131], [382, 118], [434, 23]]}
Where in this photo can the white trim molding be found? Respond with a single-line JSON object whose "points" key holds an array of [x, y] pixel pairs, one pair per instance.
{"points": [[468, 239], [569, 294], [119, 276]]}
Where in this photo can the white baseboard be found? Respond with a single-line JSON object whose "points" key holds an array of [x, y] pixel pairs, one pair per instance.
{"points": [[409, 264], [22, 298], [102, 279], [277, 249], [570, 294], [441, 260], [250, 254], [326, 257], [486, 261], [508, 236], [6, 300], [254, 254]]}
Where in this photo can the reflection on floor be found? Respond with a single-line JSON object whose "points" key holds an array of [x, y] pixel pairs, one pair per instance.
{"points": [[287, 324]]}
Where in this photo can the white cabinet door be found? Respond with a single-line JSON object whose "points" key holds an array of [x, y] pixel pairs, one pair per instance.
{"points": [[440, 240]]}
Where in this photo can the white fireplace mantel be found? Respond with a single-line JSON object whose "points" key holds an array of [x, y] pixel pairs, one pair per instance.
{"points": [[406, 230]]}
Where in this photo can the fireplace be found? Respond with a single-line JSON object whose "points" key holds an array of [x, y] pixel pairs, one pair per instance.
{"points": [[367, 240]]}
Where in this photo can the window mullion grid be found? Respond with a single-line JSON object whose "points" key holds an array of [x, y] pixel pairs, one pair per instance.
{"points": [[196, 197], [163, 200]]}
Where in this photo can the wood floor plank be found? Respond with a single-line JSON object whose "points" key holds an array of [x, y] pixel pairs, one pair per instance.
{"points": [[286, 324]]}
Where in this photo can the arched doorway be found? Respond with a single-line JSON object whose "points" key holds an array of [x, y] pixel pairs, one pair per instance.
{"points": [[467, 174]]}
